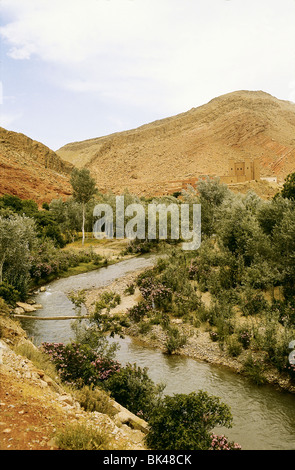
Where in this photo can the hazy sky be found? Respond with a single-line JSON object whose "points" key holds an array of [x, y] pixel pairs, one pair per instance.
{"points": [[77, 69]]}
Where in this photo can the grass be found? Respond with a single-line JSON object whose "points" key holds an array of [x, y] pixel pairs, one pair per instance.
{"points": [[82, 437], [38, 358], [103, 243], [82, 268], [94, 399]]}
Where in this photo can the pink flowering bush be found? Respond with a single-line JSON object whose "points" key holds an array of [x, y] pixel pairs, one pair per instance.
{"points": [[222, 443], [78, 364], [46, 260], [156, 292], [137, 312]]}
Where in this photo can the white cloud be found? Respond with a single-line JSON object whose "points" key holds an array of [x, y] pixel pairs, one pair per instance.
{"points": [[169, 55], [7, 119]]}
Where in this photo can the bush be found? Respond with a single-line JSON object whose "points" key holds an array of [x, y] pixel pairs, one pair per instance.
{"points": [[82, 437], [213, 335], [234, 347], [133, 389], [175, 340], [222, 443], [244, 337], [253, 303], [9, 293], [185, 422], [253, 369], [130, 289], [94, 399], [137, 312], [79, 365]]}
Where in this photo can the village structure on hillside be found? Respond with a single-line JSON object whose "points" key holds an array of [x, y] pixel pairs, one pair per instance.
{"points": [[242, 171], [238, 172]]}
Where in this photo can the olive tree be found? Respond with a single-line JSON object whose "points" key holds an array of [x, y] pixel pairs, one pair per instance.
{"points": [[17, 237]]}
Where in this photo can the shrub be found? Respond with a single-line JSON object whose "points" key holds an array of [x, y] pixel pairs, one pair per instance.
{"points": [[137, 312], [253, 303], [253, 369], [107, 301], [9, 293], [175, 340], [133, 389], [80, 365], [244, 337], [222, 443], [213, 335], [155, 292], [185, 422], [94, 399], [130, 289], [82, 437], [234, 347]]}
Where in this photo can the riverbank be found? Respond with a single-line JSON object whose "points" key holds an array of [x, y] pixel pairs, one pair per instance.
{"points": [[199, 345], [35, 407], [108, 251], [121, 277]]}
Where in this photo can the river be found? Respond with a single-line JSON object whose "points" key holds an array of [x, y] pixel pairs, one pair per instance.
{"points": [[263, 418]]}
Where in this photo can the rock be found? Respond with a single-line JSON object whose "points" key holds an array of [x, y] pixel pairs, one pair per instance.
{"points": [[66, 399], [122, 418], [26, 307], [42, 289], [18, 310]]}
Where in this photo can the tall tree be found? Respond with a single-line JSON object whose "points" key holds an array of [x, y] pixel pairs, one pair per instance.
{"points": [[84, 189], [17, 236]]}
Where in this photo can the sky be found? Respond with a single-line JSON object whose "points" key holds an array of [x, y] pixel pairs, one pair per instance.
{"points": [[73, 70]]}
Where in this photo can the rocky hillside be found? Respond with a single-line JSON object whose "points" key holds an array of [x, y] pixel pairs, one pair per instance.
{"points": [[30, 170], [200, 141], [34, 408]]}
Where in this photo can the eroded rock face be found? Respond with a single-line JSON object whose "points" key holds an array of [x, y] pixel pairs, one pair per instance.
{"points": [[30, 170]]}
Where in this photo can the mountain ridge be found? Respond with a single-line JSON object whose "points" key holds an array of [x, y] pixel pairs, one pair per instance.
{"points": [[199, 141]]}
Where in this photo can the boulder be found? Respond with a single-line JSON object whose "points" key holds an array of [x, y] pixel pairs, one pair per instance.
{"points": [[18, 310], [26, 307]]}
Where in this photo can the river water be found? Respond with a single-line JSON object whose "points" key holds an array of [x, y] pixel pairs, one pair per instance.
{"points": [[263, 418]]}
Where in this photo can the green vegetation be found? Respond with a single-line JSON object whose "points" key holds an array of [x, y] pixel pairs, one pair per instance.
{"points": [[83, 191], [186, 422], [245, 266], [82, 437]]}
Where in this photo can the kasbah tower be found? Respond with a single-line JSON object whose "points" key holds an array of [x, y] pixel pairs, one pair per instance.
{"points": [[239, 172]]}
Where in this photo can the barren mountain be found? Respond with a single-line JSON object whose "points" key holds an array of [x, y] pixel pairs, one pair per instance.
{"points": [[155, 156], [30, 170]]}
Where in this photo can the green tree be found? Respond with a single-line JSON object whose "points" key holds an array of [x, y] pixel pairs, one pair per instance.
{"points": [[83, 190], [212, 194], [288, 190], [17, 237], [284, 249], [185, 422], [271, 213]]}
